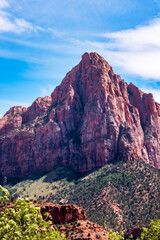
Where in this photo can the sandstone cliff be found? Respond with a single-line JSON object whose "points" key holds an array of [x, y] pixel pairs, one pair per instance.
{"points": [[71, 220], [63, 213], [92, 118]]}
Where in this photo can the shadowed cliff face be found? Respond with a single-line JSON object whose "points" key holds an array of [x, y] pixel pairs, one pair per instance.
{"points": [[92, 118]]}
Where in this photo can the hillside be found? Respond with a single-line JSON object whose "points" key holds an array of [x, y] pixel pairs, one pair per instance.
{"points": [[119, 195]]}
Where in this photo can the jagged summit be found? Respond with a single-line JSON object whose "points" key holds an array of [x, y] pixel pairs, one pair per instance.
{"points": [[93, 117], [92, 76], [94, 58]]}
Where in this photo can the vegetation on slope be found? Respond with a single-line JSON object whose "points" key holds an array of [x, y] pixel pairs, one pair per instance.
{"points": [[117, 196]]}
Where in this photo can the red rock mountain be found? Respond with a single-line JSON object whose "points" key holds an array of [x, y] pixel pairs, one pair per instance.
{"points": [[92, 118]]}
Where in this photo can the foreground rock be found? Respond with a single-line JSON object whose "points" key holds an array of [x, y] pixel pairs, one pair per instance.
{"points": [[71, 220], [84, 230], [63, 213], [92, 118]]}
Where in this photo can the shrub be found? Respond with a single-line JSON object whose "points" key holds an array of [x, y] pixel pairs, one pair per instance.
{"points": [[152, 232], [24, 221], [115, 236]]}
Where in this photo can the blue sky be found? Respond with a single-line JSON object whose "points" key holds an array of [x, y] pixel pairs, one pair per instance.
{"points": [[41, 40]]}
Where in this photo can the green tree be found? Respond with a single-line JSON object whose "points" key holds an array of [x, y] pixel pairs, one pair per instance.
{"points": [[152, 232], [24, 221], [115, 236], [3, 196]]}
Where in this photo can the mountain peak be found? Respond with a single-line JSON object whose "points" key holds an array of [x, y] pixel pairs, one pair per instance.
{"points": [[90, 77], [92, 118], [88, 56], [94, 59]]}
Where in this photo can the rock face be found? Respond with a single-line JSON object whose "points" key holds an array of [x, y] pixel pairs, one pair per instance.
{"points": [[63, 213], [92, 118]]}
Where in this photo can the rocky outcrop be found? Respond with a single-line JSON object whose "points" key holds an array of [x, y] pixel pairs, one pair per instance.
{"points": [[39, 106], [92, 118], [63, 213], [12, 119], [71, 220], [83, 229], [17, 116]]}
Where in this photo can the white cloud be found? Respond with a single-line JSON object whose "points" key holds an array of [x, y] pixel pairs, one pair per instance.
{"points": [[10, 23], [142, 63], [16, 25], [6, 25], [139, 38], [3, 4], [136, 51], [22, 24]]}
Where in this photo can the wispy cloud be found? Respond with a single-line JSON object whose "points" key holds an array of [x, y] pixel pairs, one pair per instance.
{"points": [[10, 23], [41, 45], [17, 25], [56, 33], [136, 51], [139, 38]]}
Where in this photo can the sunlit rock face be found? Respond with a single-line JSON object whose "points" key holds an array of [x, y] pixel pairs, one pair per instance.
{"points": [[93, 117]]}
